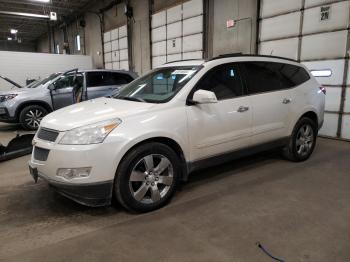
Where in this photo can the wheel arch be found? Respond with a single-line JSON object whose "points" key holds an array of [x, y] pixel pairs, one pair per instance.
{"points": [[32, 103], [166, 141]]}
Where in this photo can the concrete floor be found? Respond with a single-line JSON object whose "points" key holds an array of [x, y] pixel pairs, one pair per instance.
{"points": [[299, 212]]}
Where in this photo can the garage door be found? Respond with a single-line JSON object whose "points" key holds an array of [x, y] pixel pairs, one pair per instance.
{"points": [[177, 33], [115, 44], [315, 33]]}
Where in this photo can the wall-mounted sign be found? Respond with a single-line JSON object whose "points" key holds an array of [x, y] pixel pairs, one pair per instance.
{"points": [[325, 13], [230, 23]]}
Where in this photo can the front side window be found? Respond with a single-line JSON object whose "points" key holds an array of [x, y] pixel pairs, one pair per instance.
{"points": [[223, 80], [67, 81], [158, 86]]}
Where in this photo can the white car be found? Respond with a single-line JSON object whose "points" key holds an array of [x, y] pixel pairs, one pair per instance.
{"points": [[138, 145]]}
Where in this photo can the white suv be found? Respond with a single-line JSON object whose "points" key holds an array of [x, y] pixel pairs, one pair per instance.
{"points": [[138, 145]]}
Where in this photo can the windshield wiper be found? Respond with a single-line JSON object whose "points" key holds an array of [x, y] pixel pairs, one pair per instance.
{"points": [[136, 99]]}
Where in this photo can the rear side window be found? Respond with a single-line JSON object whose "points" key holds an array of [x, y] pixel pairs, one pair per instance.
{"points": [[268, 76], [223, 80], [95, 79]]}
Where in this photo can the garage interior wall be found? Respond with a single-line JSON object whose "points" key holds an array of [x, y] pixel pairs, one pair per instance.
{"points": [[177, 33], [116, 48], [314, 32]]}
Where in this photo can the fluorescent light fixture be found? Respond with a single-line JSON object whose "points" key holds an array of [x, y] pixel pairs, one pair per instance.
{"points": [[78, 42], [13, 31], [25, 14], [42, 1], [9, 38], [321, 73]]}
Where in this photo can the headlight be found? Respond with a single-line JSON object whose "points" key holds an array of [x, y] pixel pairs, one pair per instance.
{"points": [[91, 134], [4, 98]]}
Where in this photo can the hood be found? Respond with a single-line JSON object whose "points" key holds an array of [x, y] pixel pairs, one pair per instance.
{"points": [[93, 111], [23, 90], [11, 82]]}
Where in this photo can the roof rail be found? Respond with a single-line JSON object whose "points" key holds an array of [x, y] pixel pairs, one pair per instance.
{"points": [[183, 60], [251, 55]]}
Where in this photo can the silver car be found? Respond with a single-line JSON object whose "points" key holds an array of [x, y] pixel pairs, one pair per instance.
{"points": [[28, 105]]}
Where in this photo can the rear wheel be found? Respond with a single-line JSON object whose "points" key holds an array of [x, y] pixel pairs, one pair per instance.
{"points": [[147, 177], [303, 140], [31, 116]]}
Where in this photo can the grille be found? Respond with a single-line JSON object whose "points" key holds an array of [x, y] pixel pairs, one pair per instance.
{"points": [[41, 154], [48, 135]]}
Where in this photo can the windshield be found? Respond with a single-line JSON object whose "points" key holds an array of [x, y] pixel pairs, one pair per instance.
{"points": [[43, 82], [158, 86]]}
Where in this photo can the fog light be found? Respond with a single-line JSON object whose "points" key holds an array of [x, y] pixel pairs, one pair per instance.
{"points": [[2, 111], [70, 173]]}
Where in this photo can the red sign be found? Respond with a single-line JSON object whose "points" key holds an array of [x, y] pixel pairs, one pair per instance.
{"points": [[230, 23]]}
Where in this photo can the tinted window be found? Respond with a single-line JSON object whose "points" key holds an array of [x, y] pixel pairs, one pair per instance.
{"points": [[107, 79], [296, 75], [223, 80], [268, 76]]}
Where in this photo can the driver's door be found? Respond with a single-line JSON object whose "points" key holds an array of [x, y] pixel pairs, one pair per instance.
{"points": [[221, 127], [62, 94]]}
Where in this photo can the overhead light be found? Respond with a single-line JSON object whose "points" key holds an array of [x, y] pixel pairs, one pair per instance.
{"points": [[42, 1], [9, 38], [13, 31], [25, 14]]}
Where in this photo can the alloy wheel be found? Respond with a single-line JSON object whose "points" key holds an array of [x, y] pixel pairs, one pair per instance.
{"points": [[305, 140], [151, 178], [33, 118]]}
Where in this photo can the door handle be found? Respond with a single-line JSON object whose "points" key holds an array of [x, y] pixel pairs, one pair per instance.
{"points": [[286, 101], [242, 109]]}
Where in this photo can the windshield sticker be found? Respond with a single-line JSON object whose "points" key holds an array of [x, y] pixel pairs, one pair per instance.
{"points": [[183, 72]]}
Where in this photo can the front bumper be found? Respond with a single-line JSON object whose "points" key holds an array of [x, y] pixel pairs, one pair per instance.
{"points": [[88, 194], [93, 190], [5, 116]]}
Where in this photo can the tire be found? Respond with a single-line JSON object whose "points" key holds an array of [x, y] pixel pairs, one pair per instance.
{"points": [[302, 141], [31, 116], [147, 177]]}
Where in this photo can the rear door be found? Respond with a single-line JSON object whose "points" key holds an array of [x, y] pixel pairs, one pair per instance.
{"points": [[271, 98], [99, 84]]}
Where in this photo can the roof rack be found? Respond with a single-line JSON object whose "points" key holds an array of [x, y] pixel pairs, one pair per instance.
{"points": [[251, 55], [183, 60]]}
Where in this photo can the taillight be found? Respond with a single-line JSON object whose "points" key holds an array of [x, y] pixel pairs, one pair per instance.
{"points": [[323, 89]]}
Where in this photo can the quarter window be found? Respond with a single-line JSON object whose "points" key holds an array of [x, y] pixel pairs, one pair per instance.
{"points": [[223, 80], [269, 76]]}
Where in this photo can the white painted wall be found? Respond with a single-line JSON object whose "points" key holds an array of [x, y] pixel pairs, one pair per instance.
{"points": [[19, 66]]}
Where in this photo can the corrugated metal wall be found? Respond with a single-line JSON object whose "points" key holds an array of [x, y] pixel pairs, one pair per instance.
{"points": [[116, 49], [177, 33], [314, 32]]}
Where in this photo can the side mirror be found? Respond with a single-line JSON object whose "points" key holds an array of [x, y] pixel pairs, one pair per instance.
{"points": [[51, 87], [204, 97]]}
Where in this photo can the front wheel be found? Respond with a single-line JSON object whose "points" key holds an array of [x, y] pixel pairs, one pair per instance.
{"points": [[302, 141], [147, 177], [31, 116]]}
